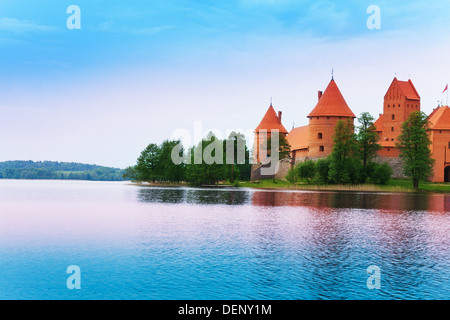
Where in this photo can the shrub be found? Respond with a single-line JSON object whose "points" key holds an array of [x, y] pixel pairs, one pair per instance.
{"points": [[381, 173], [307, 170], [292, 175], [322, 170]]}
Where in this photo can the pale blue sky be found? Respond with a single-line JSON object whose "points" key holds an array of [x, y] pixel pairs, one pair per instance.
{"points": [[139, 70]]}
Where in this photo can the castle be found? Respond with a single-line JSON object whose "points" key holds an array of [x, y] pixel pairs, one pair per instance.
{"points": [[315, 140]]}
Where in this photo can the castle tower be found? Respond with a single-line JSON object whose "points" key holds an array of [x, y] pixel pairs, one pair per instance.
{"points": [[271, 121], [331, 108], [439, 121], [400, 100]]}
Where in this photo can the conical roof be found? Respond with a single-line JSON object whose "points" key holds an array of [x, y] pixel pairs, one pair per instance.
{"points": [[271, 122], [332, 104]]}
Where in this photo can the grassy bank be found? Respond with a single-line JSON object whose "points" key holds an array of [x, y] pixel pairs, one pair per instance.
{"points": [[395, 185]]}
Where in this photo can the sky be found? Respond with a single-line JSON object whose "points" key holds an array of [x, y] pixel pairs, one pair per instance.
{"points": [[136, 72]]}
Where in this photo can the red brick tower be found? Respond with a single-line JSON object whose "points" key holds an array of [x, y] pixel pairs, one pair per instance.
{"points": [[271, 121], [323, 118], [400, 100]]}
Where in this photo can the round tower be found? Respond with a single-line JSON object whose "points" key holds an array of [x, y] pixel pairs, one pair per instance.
{"points": [[330, 108], [271, 121]]}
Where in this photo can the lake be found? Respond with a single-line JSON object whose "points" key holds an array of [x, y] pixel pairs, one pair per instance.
{"points": [[137, 242]]}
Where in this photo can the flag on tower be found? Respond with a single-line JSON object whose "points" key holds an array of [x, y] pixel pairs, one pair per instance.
{"points": [[446, 88]]}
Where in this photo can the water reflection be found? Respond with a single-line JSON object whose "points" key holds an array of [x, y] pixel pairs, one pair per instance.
{"points": [[391, 201], [223, 196], [335, 200]]}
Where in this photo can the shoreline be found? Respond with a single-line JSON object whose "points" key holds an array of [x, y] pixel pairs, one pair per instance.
{"points": [[396, 186]]}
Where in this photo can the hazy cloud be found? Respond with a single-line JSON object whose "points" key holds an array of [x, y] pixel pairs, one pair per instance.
{"points": [[16, 25]]}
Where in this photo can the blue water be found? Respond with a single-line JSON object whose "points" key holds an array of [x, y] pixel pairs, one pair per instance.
{"points": [[136, 242]]}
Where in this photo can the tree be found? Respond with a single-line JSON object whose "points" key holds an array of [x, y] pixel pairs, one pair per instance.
{"points": [[238, 156], [344, 165], [367, 138], [414, 144], [306, 170], [323, 170], [130, 173], [209, 170], [167, 169], [148, 163]]}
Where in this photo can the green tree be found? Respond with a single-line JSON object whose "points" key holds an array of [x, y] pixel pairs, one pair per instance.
{"points": [[323, 170], [306, 170], [167, 169], [148, 163], [211, 168], [414, 144], [237, 153], [130, 173], [344, 165], [367, 138]]}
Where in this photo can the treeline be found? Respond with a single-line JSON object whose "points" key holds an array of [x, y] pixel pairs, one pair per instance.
{"points": [[170, 162], [58, 170]]}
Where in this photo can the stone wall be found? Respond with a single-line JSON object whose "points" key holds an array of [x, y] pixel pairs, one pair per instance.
{"points": [[396, 165], [281, 170]]}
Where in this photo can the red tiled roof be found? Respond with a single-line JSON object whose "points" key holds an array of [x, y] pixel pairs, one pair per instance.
{"points": [[332, 103], [379, 124], [440, 118], [408, 89], [271, 122], [298, 138]]}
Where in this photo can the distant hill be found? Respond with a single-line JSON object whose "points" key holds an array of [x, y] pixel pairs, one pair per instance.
{"points": [[58, 170]]}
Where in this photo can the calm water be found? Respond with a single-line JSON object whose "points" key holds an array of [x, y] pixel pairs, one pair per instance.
{"points": [[136, 242]]}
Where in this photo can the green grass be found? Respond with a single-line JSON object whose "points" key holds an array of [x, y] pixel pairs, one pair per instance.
{"points": [[395, 185]]}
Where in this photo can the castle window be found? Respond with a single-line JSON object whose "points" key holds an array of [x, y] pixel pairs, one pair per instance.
{"points": [[319, 136], [317, 118], [449, 145], [399, 106], [392, 129], [389, 105], [389, 149], [322, 148], [393, 117]]}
